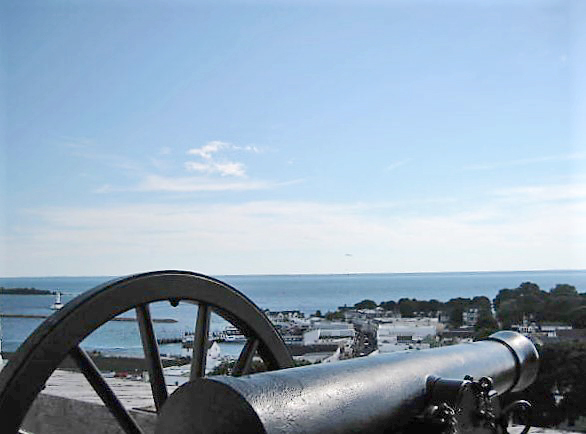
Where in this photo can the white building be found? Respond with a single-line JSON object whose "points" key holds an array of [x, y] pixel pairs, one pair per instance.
{"points": [[551, 329], [328, 332], [284, 315], [405, 333], [470, 317]]}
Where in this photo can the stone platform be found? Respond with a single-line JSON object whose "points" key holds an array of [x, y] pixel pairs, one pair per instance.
{"points": [[68, 404]]}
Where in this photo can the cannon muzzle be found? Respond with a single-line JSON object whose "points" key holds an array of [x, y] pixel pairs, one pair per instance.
{"points": [[369, 394]]}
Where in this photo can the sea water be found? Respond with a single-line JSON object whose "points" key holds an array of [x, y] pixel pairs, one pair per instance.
{"points": [[306, 293]]}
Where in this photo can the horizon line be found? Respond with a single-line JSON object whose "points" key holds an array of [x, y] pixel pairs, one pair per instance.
{"points": [[549, 270]]}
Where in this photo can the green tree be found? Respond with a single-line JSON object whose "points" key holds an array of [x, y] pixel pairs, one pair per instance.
{"points": [[389, 305], [562, 368], [429, 307], [564, 289], [455, 308], [509, 314], [577, 317], [526, 300], [365, 304], [571, 379], [559, 307], [503, 295], [485, 326], [334, 316], [407, 307], [486, 320], [456, 316], [481, 302]]}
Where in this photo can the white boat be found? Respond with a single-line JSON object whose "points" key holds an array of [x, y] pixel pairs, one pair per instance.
{"points": [[232, 334], [58, 304]]}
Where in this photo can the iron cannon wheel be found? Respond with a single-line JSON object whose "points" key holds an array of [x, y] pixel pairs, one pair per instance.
{"points": [[60, 336]]}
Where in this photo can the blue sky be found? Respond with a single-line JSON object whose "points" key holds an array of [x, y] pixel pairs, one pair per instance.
{"points": [[272, 137]]}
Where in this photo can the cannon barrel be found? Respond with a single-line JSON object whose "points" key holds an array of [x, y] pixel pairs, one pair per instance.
{"points": [[369, 394]]}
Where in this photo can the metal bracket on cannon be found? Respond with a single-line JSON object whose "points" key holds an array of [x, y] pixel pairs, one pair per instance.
{"points": [[465, 407]]}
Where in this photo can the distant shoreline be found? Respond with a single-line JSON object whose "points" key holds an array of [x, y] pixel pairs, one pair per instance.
{"points": [[26, 291]]}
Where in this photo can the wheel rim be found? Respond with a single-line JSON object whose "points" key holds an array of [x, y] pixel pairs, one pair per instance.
{"points": [[32, 364]]}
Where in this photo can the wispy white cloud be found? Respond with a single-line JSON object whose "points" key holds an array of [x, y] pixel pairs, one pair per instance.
{"points": [[211, 170], [212, 167], [528, 161], [215, 146], [210, 148], [195, 184], [248, 148], [192, 184], [210, 164]]}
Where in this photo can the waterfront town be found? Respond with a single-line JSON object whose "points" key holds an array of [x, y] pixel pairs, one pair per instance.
{"points": [[554, 320]]}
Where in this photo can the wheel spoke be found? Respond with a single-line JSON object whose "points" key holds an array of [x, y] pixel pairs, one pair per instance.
{"points": [[151, 354], [200, 342], [244, 363], [92, 374]]}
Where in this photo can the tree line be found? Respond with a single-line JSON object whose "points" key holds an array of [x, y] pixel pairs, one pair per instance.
{"points": [[562, 303], [454, 308]]}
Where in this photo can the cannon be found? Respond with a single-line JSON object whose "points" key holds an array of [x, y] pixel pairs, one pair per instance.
{"points": [[452, 389], [434, 390]]}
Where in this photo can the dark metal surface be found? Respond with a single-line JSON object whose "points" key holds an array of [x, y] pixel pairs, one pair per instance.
{"points": [[525, 355], [200, 342], [244, 362], [369, 394], [23, 377], [462, 406], [151, 354]]}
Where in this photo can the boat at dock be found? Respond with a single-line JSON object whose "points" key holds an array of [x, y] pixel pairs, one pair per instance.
{"points": [[229, 334], [233, 335]]}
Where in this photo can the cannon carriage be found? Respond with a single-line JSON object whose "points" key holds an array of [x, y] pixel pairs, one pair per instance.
{"points": [[445, 390]]}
